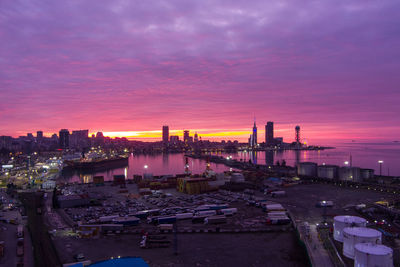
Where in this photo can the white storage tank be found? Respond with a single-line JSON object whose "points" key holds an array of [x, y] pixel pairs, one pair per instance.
{"points": [[349, 174], [372, 255], [366, 174], [343, 221], [327, 171], [355, 235], [307, 168]]}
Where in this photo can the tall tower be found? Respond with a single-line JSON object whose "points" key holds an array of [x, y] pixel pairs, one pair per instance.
{"points": [[196, 138], [269, 133], [297, 129], [254, 143], [165, 134]]}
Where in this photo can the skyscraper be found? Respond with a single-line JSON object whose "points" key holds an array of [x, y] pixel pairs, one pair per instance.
{"points": [[79, 139], [269, 133], [165, 134], [254, 135], [64, 138], [39, 134], [186, 138], [196, 138]]}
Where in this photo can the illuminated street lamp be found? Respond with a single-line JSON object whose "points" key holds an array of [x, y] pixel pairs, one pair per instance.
{"points": [[380, 167], [145, 166], [346, 163]]}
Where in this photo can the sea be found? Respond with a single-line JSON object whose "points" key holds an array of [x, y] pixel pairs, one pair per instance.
{"points": [[364, 155]]}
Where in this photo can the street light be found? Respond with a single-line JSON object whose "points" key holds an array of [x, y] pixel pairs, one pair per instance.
{"points": [[145, 166], [346, 163], [380, 167]]}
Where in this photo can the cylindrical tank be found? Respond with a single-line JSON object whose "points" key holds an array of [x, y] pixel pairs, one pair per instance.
{"points": [[343, 221], [355, 235], [349, 174], [327, 171], [307, 168], [372, 255], [366, 174]]}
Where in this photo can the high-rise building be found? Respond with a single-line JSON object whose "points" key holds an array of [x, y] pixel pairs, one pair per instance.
{"points": [[30, 136], [174, 139], [254, 135], [186, 136], [6, 142], [196, 138], [39, 134], [79, 139], [269, 133], [64, 138], [165, 134]]}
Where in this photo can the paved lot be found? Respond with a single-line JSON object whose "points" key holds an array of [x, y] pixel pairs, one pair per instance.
{"points": [[301, 200], [267, 249]]}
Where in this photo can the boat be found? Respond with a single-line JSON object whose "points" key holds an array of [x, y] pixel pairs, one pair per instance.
{"points": [[96, 164]]}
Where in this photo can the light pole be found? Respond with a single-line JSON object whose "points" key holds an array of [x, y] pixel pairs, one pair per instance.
{"points": [[380, 167]]}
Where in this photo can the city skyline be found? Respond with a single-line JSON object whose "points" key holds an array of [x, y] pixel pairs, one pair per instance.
{"points": [[208, 66]]}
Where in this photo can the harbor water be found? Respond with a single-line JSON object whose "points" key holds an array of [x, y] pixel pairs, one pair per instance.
{"points": [[364, 155]]}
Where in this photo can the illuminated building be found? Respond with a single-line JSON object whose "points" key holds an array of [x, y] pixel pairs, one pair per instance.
{"points": [[253, 137], [174, 139], [297, 130], [186, 136]]}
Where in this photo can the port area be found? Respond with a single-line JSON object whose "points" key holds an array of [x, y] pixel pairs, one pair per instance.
{"points": [[244, 239]]}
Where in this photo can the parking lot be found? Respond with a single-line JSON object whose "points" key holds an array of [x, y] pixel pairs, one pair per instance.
{"points": [[208, 247]]}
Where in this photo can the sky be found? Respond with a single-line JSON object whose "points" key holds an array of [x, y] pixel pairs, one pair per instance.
{"points": [[129, 67]]}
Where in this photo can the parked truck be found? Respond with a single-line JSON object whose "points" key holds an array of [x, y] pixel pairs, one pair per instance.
{"points": [[20, 247], [149, 241], [218, 219], [1, 248], [20, 231]]}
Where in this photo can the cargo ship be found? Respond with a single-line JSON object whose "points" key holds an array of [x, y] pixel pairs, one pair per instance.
{"points": [[96, 164]]}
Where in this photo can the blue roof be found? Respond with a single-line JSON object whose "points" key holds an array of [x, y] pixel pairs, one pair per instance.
{"points": [[121, 262], [274, 179]]}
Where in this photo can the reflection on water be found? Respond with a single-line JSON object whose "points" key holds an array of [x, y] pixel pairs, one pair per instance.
{"points": [[159, 164], [363, 155]]}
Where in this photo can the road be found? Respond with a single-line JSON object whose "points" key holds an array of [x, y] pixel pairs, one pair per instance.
{"points": [[8, 233], [45, 253]]}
